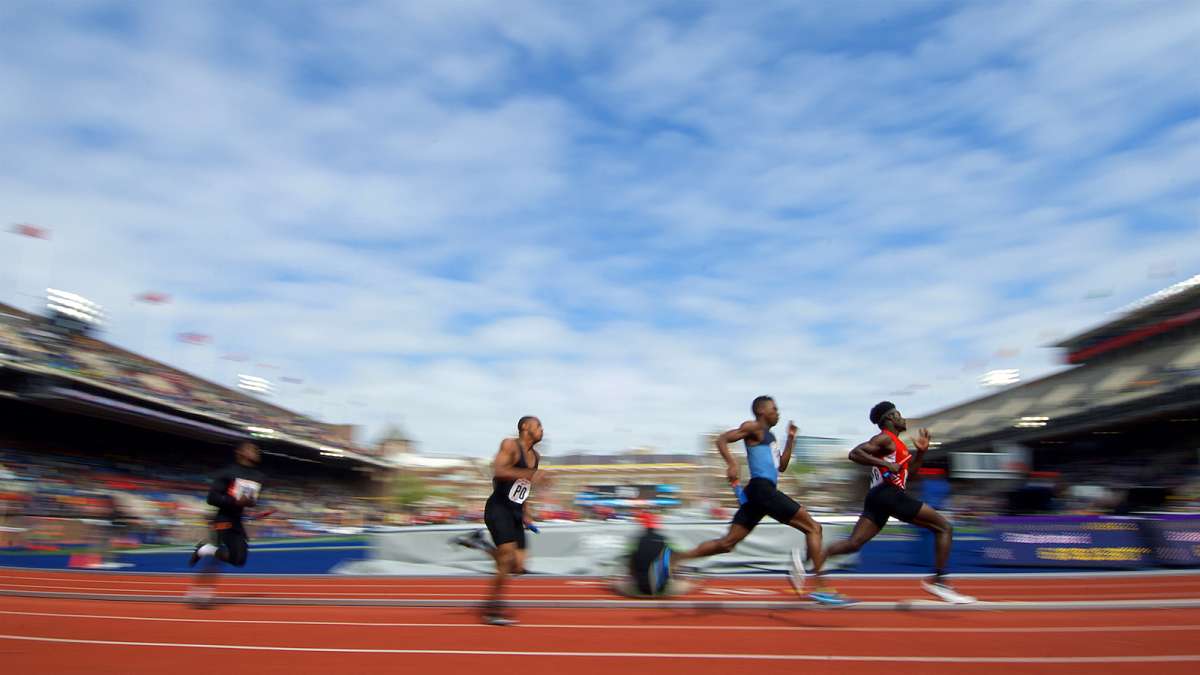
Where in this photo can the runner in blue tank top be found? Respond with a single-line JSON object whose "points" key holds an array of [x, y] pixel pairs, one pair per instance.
{"points": [[763, 498]]}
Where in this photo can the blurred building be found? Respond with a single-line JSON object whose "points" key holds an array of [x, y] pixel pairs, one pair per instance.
{"points": [[453, 483], [594, 484], [821, 449], [581, 485], [818, 476]]}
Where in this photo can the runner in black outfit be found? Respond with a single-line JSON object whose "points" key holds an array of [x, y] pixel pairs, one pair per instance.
{"points": [[232, 490], [515, 473]]}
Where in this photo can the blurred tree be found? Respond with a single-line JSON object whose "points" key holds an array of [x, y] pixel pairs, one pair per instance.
{"points": [[801, 469], [409, 489]]}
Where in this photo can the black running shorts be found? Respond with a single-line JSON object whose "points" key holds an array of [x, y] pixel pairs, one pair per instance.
{"points": [[505, 523], [233, 540], [887, 500], [763, 498]]}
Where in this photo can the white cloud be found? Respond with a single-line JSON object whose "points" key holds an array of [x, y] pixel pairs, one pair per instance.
{"points": [[627, 220]]}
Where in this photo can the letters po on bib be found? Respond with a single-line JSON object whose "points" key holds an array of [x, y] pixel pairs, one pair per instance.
{"points": [[520, 491], [245, 489]]}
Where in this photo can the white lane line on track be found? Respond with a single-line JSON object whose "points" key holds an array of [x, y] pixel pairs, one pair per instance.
{"points": [[566, 593], [912, 576], [1091, 574], [1153, 658], [782, 593], [234, 581], [587, 626]]}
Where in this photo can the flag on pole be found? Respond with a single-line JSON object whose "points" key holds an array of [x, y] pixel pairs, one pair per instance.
{"points": [[195, 338], [27, 230], [153, 298]]}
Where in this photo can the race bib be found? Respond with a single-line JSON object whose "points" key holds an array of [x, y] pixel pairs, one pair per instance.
{"points": [[775, 454], [245, 489], [520, 491]]}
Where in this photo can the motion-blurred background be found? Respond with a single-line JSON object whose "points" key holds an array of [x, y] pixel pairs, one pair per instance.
{"points": [[370, 236]]}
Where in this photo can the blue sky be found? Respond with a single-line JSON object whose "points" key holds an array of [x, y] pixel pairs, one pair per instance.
{"points": [[627, 218]]}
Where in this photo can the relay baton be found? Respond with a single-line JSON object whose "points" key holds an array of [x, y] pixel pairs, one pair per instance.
{"points": [[888, 474], [741, 494]]}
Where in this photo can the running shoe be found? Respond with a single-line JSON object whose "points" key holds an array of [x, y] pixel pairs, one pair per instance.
{"points": [[830, 598], [945, 592], [195, 555], [201, 598], [662, 572], [796, 573], [475, 540], [499, 620]]}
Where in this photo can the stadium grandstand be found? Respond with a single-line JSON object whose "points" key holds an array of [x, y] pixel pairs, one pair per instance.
{"points": [[94, 431], [1117, 430], [68, 369]]}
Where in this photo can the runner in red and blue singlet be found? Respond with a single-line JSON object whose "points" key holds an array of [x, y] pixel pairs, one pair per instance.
{"points": [[891, 463]]}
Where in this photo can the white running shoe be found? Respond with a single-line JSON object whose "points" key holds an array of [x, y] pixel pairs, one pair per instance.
{"points": [[943, 591], [201, 597], [796, 573]]}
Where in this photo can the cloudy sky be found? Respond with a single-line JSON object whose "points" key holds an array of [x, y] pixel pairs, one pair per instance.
{"points": [[628, 218]]}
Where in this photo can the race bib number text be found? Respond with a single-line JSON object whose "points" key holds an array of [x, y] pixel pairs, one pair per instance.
{"points": [[520, 491], [246, 490]]}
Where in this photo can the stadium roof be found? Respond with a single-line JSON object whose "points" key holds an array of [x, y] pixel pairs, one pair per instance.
{"points": [[1126, 378], [1153, 309], [1048, 405], [316, 447], [110, 347]]}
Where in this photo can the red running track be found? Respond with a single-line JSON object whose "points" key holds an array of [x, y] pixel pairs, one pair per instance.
{"points": [[1017, 588], [69, 635]]}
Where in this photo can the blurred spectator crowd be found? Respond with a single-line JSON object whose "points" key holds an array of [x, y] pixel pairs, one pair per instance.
{"points": [[160, 504]]}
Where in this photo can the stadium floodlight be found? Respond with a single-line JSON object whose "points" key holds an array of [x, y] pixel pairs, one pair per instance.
{"points": [[1031, 422], [258, 385], [74, 306], [1000, 378], [261, 432]]}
